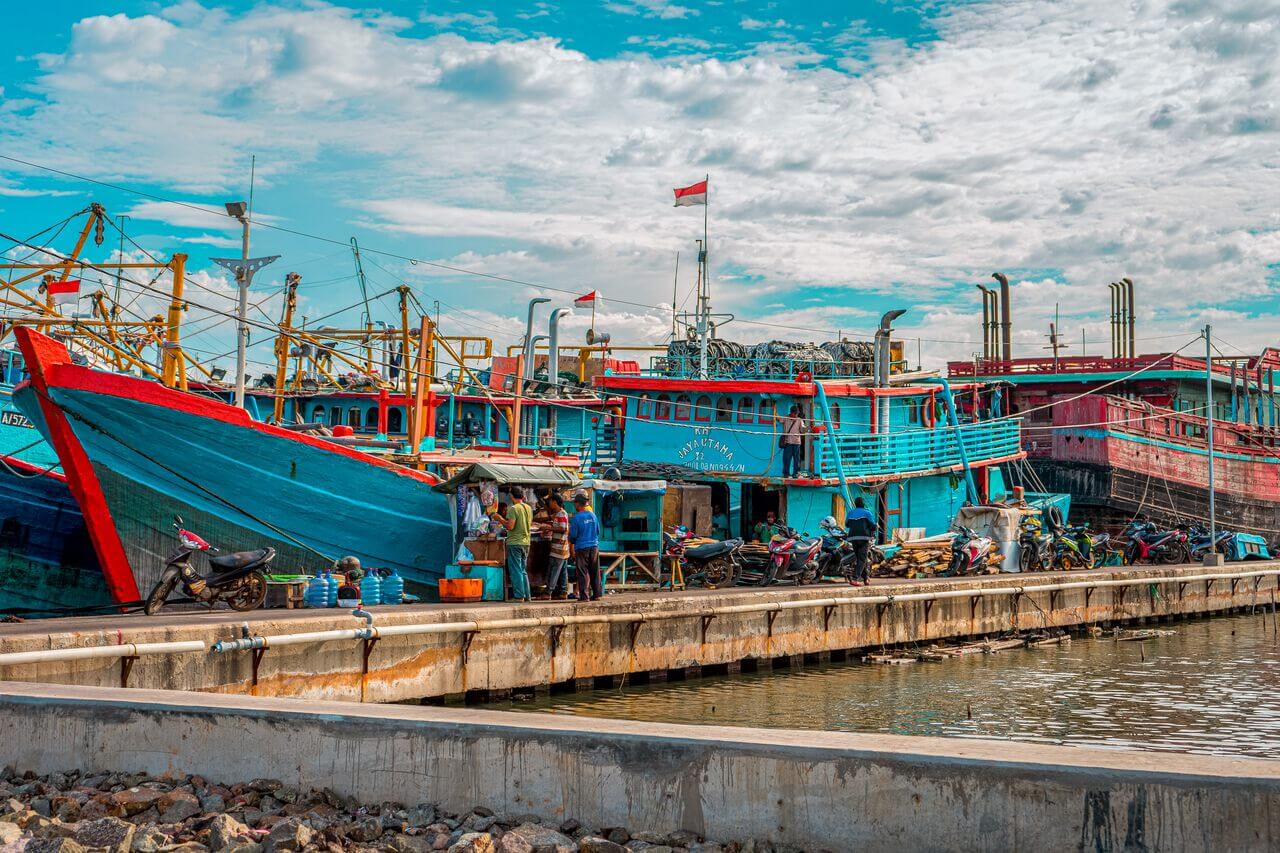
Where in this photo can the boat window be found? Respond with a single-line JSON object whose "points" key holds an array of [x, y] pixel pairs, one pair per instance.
{"points": [[395, 419], [317, 415], [702, 409], [767, 411], [746, 410], [335, 416], [644, 407], [724, 409], [682, 407], [913, 410], [662, 411], [835, 416], [371, 418], [353, 417]]}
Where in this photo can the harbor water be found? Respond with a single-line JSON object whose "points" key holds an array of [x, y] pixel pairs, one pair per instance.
{"points": [[1211, 687]]}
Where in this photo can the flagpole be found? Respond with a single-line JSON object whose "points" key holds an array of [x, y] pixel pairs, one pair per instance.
{"points": [[705, 320]]}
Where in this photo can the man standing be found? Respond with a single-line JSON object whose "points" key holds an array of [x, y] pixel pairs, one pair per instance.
{"points": [[766, 529], [861, 526], [584, 534], [792, 431], [517, 521], [556, 529]]}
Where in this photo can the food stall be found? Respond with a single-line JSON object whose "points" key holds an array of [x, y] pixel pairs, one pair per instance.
{"points": [[478, 540], [630, 515]]}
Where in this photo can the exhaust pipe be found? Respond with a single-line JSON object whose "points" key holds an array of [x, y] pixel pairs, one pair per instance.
{"points": [[880, 349], [528, 338], [986, 320], [1115, 318], [553, 347], [1006, 323], [1133, 351]]}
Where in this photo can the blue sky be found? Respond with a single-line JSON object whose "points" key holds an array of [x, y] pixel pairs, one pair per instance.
{"points": [[864, 155]]}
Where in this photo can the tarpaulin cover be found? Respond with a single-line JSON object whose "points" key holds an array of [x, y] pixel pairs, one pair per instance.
{"points": [[1001, 524], [507, 475]]}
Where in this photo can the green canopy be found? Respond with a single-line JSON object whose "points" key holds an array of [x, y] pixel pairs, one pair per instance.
{"points": [[507, 475]]}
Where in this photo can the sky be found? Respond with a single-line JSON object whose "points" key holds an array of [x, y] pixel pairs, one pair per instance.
{"points": [[863, 156]]}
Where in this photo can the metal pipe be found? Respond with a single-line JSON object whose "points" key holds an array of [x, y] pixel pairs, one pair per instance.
{"points": [[89, 652], [1006, 321], [1132, 324], [1115, 317], [553, 347], [880, 347], [528, 336], [986, 320]]}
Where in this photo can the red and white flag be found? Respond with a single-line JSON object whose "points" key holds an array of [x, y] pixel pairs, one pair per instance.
{"points": [[64, 291], [695, 194], [588, 298]]}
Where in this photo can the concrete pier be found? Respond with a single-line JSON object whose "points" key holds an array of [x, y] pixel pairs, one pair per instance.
{"points": [[811, 790], [633, 635]]}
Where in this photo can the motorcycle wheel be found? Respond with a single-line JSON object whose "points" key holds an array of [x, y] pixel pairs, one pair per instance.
{"points": [[1174, 554], [719, 572], [1026, 558], [249, 593], [159, 595]]}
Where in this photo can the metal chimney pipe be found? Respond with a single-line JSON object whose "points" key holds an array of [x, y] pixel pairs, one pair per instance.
{"points": [[1006, 323], [1112, 289], [986, 320], [880, 350], [553, 347], [1133, 350], [528, 337]]}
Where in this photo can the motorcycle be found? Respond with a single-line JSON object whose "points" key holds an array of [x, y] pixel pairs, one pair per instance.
{"points": [[1198, 542], [1096, 549], [836, 557], [1035, 548], [1149, 543], [238, 579], [792, 557], [970, 551], [711, 564]]}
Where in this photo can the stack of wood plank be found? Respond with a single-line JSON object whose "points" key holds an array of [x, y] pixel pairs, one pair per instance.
{"points": [[926, 558]]}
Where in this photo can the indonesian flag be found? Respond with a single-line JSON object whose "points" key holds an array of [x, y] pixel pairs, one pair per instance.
{"points": [[695, 194], [64, 291], [588, 298]]}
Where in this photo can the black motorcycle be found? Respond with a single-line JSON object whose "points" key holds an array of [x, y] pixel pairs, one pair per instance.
{"points": [[1035, 547], [711, 564], [238, 579]]}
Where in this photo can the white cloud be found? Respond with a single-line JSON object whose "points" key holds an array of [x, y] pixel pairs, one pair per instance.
{"points": [[1093, 140], [651, 8]]}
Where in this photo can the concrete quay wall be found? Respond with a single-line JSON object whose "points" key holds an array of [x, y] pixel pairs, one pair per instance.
{"points": [[811, 790], [673, 640]]}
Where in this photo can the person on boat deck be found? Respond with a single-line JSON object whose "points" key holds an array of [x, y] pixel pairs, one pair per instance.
{"points": [[792, 436], [861, 526], [767, 529], [517, 521], [584, 534]]}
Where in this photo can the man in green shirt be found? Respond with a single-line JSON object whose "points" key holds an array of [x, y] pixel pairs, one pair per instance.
{"points": [[765, 530], [518, 520]]}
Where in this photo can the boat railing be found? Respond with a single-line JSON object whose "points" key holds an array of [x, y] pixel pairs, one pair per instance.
{"points": [[879, 454], [820, 366]]}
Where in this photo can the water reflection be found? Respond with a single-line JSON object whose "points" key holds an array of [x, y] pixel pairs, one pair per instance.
{"points": [[1212, 688]]}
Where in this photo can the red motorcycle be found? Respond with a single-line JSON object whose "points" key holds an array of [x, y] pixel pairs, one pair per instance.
{"points": [[792, 557], [1148, 543]]}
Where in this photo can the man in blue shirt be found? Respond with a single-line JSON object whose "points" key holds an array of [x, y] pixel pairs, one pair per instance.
{"points": [[584, 535], [861, 525]]}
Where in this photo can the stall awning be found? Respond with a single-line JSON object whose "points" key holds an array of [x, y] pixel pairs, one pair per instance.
{"points": [[627, 486], [508, 475]]}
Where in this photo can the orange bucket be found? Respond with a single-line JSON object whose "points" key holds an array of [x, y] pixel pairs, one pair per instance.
{"points": [[461, 589]]}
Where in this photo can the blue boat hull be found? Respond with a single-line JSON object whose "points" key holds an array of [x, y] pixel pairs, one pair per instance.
{"points": [[137, 454]]}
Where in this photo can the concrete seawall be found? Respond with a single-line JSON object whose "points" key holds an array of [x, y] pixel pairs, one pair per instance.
{"points": [[813, 790], [667, 637]]}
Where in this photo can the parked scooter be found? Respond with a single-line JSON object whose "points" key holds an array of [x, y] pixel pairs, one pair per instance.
{"points": [[837, 557], [1095, 549], [792, 557], [1148, 543], [711, 564], [1198, 541], [970, 551], [238, 579], [1035, 547]]}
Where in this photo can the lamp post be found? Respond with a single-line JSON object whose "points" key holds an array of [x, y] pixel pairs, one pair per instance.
{"points": [[243, 268]]}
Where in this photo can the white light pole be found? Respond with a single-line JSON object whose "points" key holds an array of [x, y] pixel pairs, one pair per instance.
{"points": [[243, 268], [1213, 558]]}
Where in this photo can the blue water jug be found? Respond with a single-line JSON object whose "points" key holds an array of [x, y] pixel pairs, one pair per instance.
{"points": [[393, 589], [331, 598], [370, 590], [317, 592]]}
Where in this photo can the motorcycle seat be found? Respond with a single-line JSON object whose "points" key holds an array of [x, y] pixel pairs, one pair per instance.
{"points": [[711, 549], [241, 559]]}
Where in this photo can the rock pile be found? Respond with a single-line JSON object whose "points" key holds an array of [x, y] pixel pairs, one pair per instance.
{"points": [[136, 813]]}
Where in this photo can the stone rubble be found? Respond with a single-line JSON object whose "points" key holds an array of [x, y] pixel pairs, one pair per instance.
{"points": [[80, 812]]}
